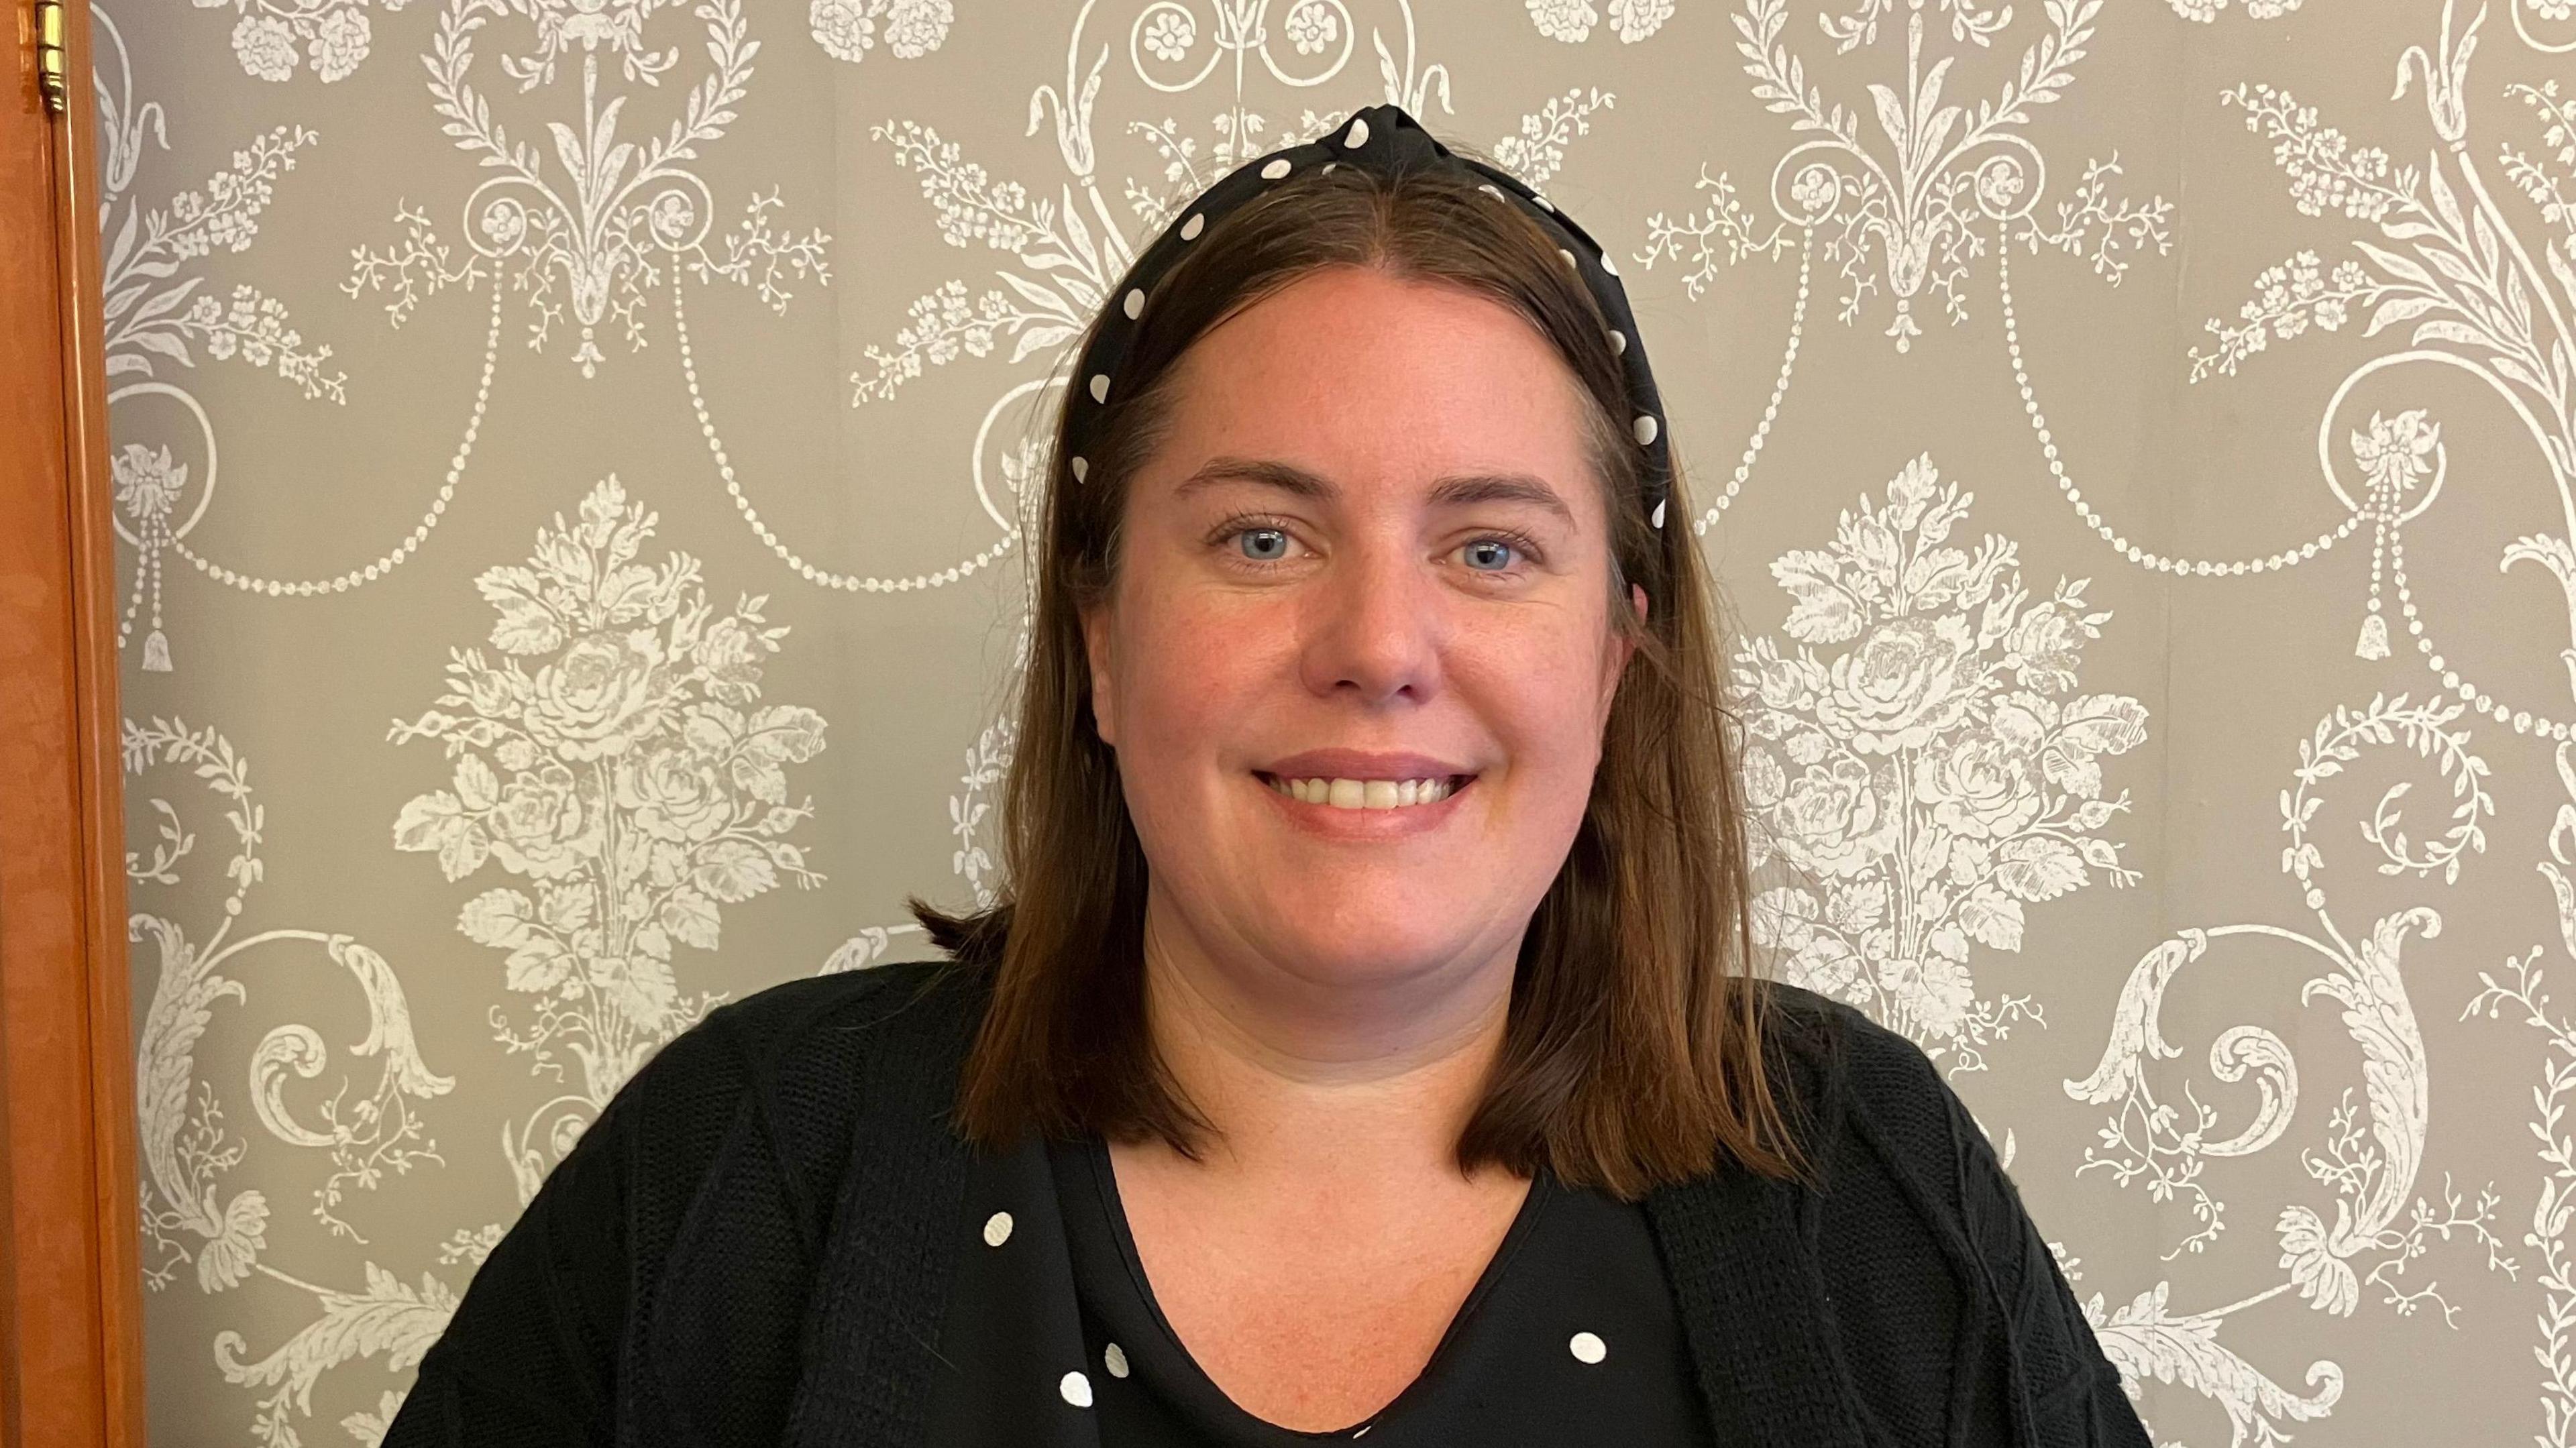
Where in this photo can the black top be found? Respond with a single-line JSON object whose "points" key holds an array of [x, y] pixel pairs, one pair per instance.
{"points": [[759, 1240], [1570, 1335]]}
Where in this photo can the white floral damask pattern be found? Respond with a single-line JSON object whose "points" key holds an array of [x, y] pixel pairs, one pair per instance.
{"points": [[196, 1226], [616, 757], [1572, 20], [2370, 1153], [1935, 777], [588, 224], [2553, 1208], [2456, 273], [1914, 206], [160, 314], [1941, 182], [274, 38], [848, 28], [633, 777]]}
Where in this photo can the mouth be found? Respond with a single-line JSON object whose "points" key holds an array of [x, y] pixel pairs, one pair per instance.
{"points": [[1367, 794]]}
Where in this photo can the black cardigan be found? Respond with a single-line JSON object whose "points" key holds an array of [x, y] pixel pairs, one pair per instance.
{"points": [[752, 1245]]}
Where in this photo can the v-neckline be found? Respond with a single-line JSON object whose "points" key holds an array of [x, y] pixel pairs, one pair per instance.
{"points": [[1094, 1154]]}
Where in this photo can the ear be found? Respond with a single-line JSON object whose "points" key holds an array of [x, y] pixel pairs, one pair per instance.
{"points": [[1622, 649], [1095, 648]]}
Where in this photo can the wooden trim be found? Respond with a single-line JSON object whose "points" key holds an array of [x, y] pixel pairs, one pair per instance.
{"points": [[117, 1153], [70, 1276]]}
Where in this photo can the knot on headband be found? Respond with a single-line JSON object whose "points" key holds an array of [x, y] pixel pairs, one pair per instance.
{"points": [[1386, 139]]}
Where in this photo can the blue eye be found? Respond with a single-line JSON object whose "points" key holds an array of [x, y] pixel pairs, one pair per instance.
{"points": [[1498, 555]]}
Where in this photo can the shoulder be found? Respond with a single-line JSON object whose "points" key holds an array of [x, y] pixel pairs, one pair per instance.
{"points": [[1834, 1059], [803, 1015], [805, 1037], [664, 1262], [783, 1073], [1899, 1156], [1917, 1206]]}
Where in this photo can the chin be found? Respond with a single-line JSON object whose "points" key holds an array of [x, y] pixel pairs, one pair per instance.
{"points": [[1368, 949]]}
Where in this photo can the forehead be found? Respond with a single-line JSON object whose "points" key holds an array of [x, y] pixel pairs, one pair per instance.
{"points": [[1369, 379]]}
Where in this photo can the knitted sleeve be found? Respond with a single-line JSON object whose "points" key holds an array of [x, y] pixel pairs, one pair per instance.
{"points": [[528, 1359], [612, 1297], [539, 1349], [2070, 1389], [2029, 1372]]}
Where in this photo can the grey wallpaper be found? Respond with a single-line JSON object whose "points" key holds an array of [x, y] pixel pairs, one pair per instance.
{"points": [[570, 454]]}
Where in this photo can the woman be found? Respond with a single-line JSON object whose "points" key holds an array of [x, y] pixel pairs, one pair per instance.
{"points": [[1368, 1046]]}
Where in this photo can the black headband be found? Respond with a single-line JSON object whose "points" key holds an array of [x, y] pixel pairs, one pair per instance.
{"points": [[1385, 139]]}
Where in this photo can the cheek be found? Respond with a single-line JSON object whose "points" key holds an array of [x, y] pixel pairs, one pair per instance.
{"points": [[1183, 677], [1549, 654], [1548, 719], [1194, 685], [1539, 697]]}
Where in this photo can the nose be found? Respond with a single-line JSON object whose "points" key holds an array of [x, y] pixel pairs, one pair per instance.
{"points": [[1373, 626]]}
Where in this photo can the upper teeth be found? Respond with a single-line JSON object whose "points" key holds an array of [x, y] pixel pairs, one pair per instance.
{"points": [[1364, 793]]}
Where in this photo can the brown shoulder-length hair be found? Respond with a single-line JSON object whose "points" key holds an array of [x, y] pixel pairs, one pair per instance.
{"points": [[1632, 1057]]}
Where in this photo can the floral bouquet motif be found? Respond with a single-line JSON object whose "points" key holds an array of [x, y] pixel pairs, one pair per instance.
{"points": [[1935, 777], [617, 759]]}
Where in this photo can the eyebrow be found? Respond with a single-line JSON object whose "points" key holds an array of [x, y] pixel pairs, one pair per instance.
{"points": [[1456, 490]]}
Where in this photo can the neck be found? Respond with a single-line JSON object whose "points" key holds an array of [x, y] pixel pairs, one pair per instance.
{"points": [[1313, 1079]]}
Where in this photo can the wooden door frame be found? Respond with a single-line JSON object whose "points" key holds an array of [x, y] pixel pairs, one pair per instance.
{"points": [[70, 1275]]}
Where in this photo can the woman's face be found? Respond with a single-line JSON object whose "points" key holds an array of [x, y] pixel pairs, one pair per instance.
{"points": [[1371, 552]]}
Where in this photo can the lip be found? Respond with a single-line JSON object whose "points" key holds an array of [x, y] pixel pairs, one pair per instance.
{"points": [[1361, 764]]}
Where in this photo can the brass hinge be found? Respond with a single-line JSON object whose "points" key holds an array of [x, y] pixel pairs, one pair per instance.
{"points": [[53, 67]]}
